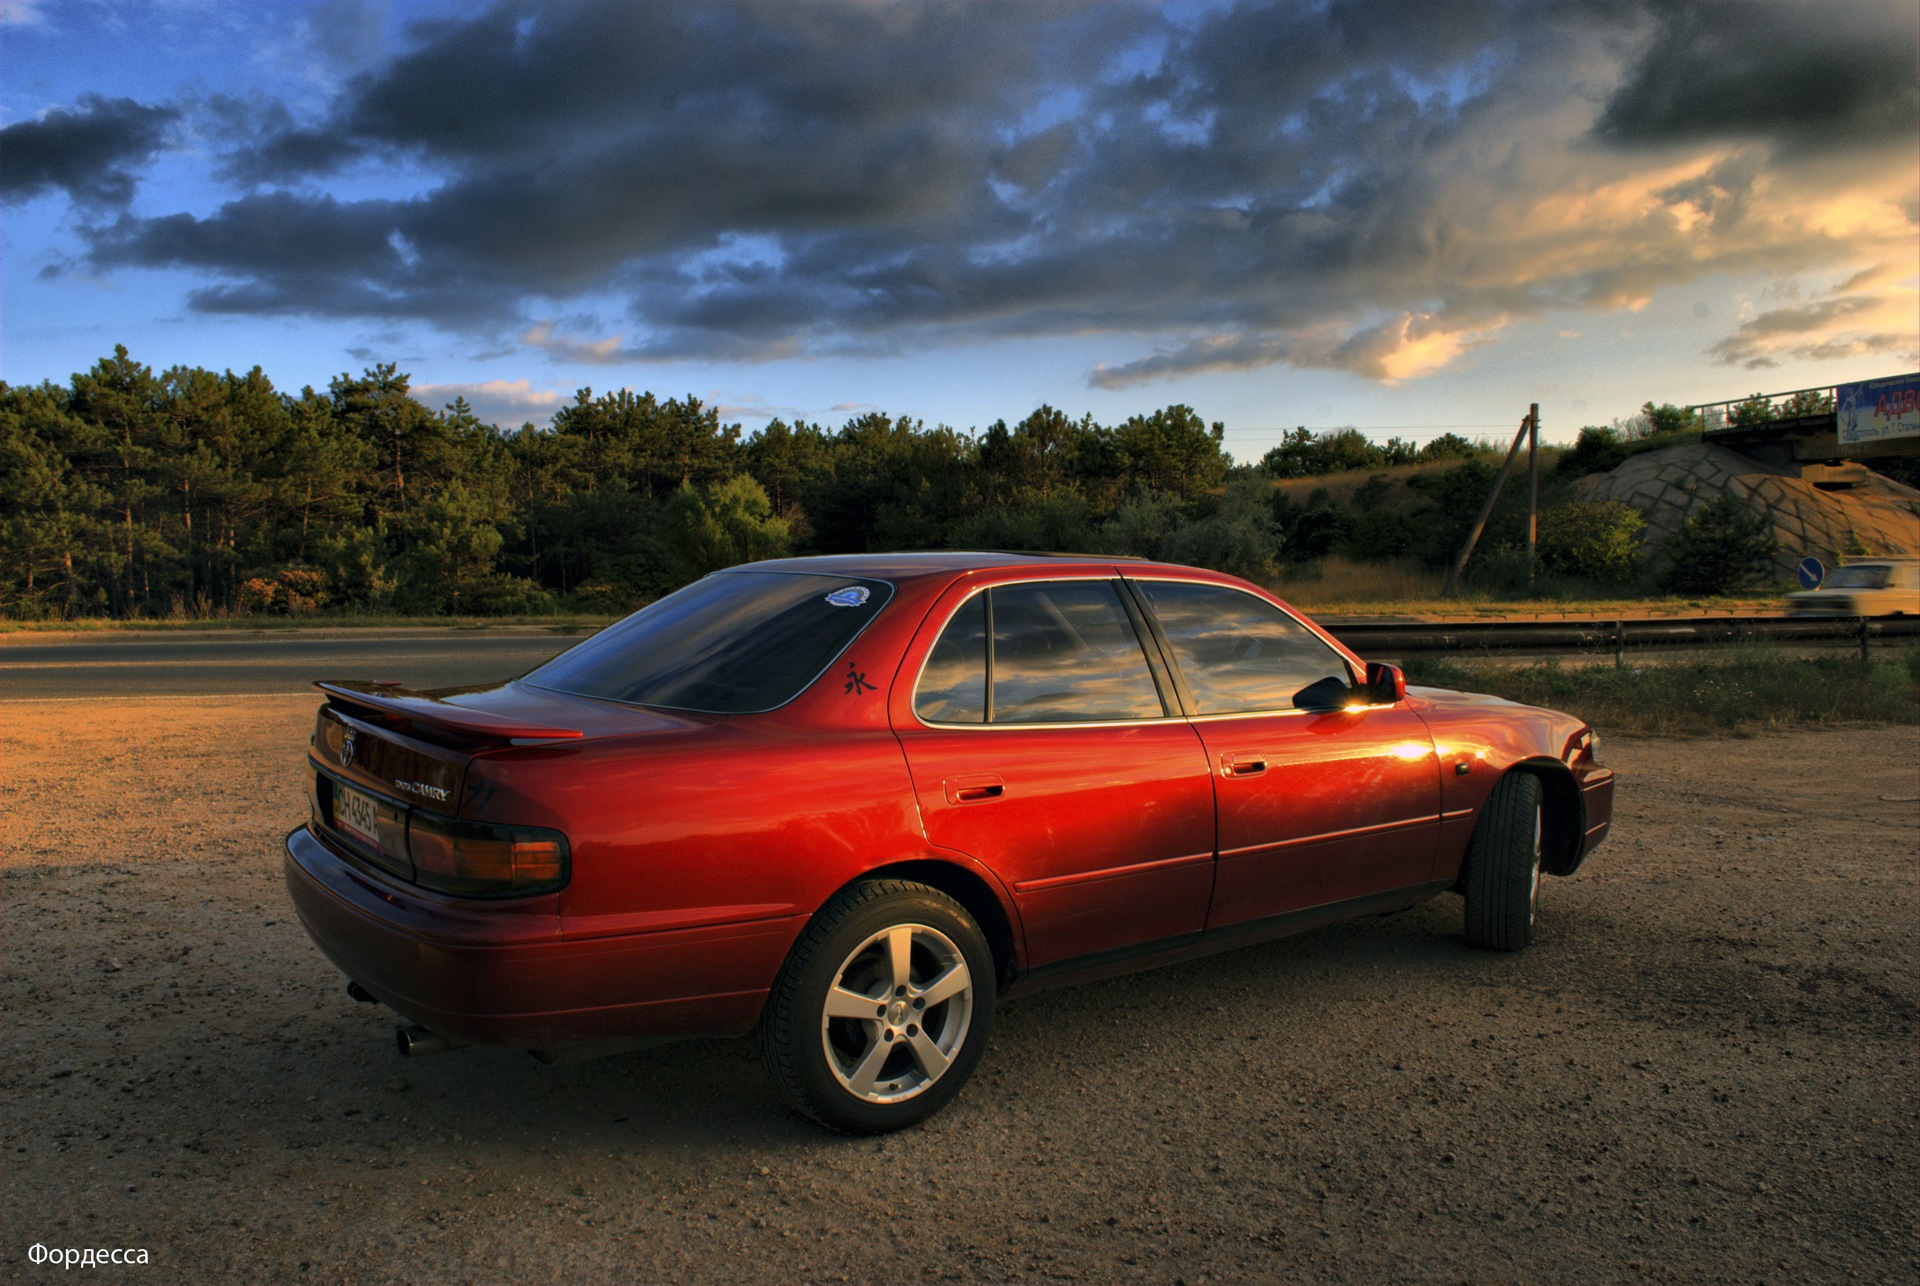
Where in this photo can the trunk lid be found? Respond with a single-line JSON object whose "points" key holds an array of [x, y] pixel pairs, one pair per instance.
{"points": [[380, 751]]}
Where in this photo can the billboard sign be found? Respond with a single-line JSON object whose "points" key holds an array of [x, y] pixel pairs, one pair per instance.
{"points": [[1875, 409]]}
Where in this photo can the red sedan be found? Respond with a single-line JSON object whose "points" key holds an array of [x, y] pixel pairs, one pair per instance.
{"points": [[850, 803]]}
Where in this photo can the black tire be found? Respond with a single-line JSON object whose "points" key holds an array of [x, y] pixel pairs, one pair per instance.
{"points": [[864, 1072], [1503, 866]]}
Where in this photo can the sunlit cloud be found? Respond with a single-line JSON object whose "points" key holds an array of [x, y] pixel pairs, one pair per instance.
{"points": [[508, 403], [566, 348], [1842, 325]]}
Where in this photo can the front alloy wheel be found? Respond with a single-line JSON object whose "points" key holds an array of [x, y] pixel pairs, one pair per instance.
{"points": [[883, 1008]]}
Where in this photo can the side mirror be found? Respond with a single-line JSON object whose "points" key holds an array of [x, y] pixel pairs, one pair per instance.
{"points": [[1386, 684], [1324, 696]]}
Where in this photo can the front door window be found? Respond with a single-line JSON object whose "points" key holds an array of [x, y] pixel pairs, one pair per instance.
{"points": [[1316, 807]]}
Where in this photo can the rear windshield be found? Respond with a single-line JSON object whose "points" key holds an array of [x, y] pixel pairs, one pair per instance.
{"points": [[734, 643]]}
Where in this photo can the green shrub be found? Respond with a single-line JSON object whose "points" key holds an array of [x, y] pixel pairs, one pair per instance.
{"points": [[1669, 420], [1724, 547], [1596, 450], [1501, 571], [1449, 446], [1139, 527], [1598, 539], [1056, 524], [719, 526], [1240, 538], [1381, 533], [1757, 409], [1314, 531], [501, 595]]}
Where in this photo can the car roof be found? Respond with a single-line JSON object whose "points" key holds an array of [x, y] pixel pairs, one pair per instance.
{"points": [[914, 564]]}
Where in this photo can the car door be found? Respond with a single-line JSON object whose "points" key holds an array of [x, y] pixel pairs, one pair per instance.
{"points": [[1315, 807], [1044, 743]]}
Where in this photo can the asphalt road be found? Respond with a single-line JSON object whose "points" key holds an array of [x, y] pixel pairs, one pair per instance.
{"points": [[123, 665], [119, 665]]}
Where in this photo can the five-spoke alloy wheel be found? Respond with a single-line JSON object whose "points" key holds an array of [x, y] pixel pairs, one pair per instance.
{"points": [[883, 1008]]}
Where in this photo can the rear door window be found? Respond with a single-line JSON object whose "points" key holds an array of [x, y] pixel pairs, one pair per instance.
{"points": [[953, 684], [1062, 652], [733, 643], [1239, 654]]}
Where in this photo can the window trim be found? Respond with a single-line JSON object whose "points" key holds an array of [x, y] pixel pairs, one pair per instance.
{"points": [[1168, 711]]}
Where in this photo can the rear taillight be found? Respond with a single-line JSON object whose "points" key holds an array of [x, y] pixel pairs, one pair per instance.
{"points": [[477, 858]]}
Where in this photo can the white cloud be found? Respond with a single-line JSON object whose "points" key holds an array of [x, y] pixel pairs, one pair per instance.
{"points": [[21, 13], [507, 403]]}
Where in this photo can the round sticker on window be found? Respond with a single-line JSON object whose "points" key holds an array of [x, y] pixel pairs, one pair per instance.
{"points": [[851, 596]]}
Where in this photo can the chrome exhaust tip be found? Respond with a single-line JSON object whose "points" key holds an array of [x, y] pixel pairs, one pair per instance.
{"points": [[417, 1042]]}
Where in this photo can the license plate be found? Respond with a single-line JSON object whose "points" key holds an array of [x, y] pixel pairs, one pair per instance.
{"points": [[357, 815]]}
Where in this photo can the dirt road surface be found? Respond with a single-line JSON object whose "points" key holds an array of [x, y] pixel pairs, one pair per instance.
{"points": [[1704, 1071]]}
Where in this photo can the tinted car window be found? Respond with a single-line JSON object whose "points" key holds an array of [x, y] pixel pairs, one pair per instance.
{"points": [[1238, 653], [953, 685], [733, 643], [1858, 578], [1066, 652]]}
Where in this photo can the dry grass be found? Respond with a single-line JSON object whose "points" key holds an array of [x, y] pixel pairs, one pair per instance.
{"points": [[1341, 486], [1338, 586], [1339, 580], [1752, 686]]}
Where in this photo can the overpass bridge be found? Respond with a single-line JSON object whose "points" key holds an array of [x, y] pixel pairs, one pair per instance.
{"points": [[1824, 433]]}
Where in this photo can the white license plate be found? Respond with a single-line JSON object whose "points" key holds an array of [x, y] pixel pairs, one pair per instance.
{"points": [[356, 814]]}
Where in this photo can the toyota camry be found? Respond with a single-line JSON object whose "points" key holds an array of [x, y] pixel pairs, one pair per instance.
{"points": [[849, 804]]}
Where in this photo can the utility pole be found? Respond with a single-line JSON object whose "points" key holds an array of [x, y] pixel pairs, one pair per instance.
{"points": [[1533, 487], [1486, 510]]}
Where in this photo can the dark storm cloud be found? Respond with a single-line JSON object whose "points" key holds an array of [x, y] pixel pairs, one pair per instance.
{"points": [[1373, 185], [348, 33], [1810, 72], [90, 151]]}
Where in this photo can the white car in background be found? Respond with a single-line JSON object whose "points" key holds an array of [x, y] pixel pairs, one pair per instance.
{"points": [[1868, 587]]}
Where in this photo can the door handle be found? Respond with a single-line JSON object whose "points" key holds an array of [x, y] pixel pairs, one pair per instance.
{"points": [[1242, 765], [975, 789]]}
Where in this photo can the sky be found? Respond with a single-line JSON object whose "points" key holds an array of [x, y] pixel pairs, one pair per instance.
{"points": [[1408, 216]]}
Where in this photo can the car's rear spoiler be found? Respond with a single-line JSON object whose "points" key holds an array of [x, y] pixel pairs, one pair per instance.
{"points": [[406, 710]]}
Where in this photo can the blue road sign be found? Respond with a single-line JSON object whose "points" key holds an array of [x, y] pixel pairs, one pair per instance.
{"points": [[1812, 572]]}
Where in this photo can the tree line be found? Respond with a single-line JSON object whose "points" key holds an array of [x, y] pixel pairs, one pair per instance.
{"points": [[195, 493], [127, 493]]}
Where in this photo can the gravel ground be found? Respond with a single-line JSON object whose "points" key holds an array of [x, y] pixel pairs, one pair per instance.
{"points": [[1704, 1071]]}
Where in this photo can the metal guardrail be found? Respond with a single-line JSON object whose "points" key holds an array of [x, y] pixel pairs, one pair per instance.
{"points": [[1612, 636]]}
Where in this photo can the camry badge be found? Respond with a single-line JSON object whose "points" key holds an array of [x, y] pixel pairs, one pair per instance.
{"points": [[421, 789], [346, 750]]}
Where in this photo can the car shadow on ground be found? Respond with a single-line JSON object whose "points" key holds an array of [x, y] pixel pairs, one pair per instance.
{"points": [[705, 1091]]}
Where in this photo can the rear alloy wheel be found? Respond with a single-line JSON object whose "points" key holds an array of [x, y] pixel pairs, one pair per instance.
{"points": [[882, 1010], [1503, 866]]}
